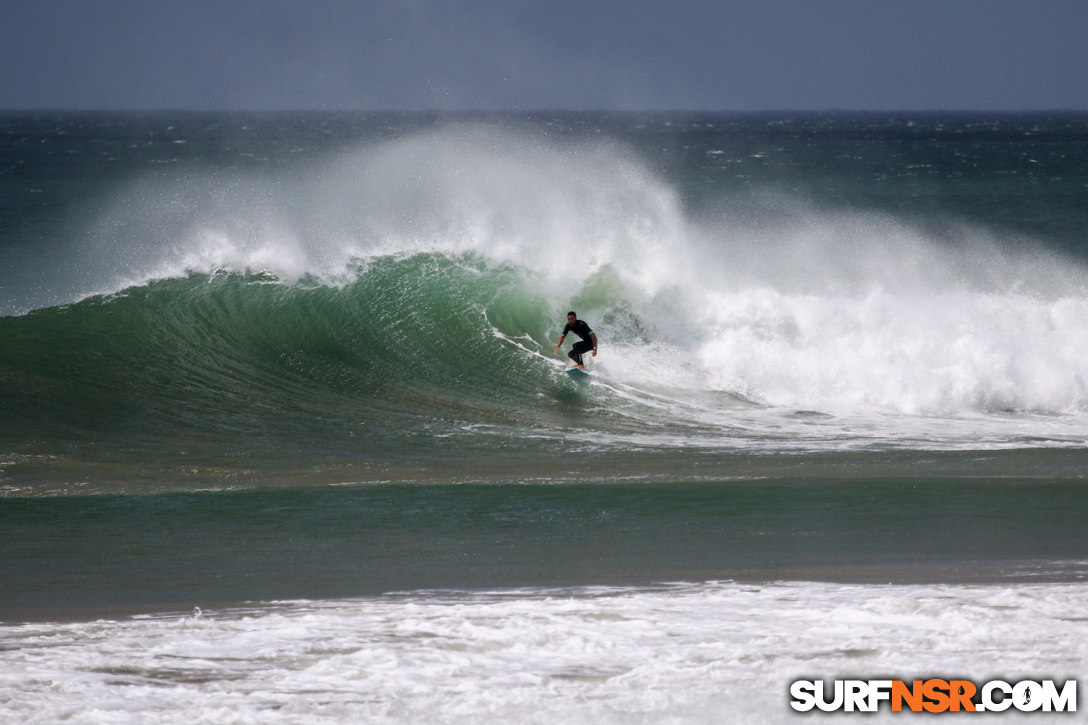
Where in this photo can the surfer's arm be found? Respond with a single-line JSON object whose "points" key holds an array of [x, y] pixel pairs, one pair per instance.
{"points": [[559, 344], [593, 336]]}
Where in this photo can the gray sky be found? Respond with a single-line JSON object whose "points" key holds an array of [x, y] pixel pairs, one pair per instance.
{"points": [[544, 54]]}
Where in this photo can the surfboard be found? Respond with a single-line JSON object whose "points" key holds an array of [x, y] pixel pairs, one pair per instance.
{"points": [[577, 373]]}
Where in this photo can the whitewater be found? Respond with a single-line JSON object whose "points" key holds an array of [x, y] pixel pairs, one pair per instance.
{"points": [[679, 654]]}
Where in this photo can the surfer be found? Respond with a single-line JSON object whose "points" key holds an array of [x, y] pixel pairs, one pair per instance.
{"points": [[587, 343]]}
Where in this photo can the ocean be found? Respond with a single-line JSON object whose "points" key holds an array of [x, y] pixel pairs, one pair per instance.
{"points": [[283, 438]]}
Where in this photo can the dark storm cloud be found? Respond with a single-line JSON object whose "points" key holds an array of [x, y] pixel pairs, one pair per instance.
{"points": [[414, 54]]}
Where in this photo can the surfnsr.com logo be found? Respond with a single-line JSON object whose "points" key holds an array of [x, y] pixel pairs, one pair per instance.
{"points": [[934, 695]]}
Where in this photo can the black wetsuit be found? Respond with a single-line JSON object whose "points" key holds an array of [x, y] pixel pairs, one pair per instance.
{"points": [[581, 329]]}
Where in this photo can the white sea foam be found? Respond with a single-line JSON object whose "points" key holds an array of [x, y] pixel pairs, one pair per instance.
{"points": [[716, 652]]}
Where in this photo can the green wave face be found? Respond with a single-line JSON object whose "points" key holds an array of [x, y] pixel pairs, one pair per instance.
{"points": [[413, 352]]}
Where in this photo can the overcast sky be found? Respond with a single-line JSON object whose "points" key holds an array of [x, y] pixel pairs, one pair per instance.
{"points": [[544, 54]]}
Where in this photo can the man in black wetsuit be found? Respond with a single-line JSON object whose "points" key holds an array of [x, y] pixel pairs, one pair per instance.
{"points": [[587, 343]]}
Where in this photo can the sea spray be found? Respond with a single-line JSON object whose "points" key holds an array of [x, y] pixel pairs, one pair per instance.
{"points": [[560, 210]]}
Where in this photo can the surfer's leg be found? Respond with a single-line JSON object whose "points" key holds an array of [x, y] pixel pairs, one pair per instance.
{"points": [[576, 351]]}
